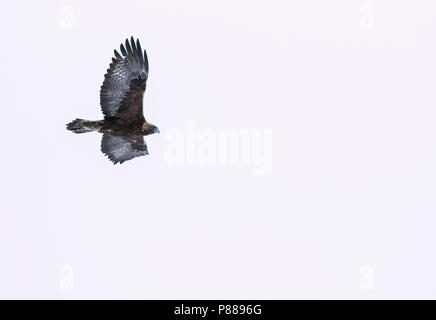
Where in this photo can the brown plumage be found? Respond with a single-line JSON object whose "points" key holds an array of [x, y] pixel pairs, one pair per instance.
{"points": [[121, 99]]}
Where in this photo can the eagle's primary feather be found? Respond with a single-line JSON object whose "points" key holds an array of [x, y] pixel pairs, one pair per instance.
{"points": [[117, 80], [120, 149]]}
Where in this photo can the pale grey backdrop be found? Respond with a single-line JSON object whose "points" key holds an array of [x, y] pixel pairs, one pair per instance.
{"points": [[348, 211]]}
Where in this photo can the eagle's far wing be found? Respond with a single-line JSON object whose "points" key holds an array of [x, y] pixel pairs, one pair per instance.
{"points": [[120, 149], [133, 65]]}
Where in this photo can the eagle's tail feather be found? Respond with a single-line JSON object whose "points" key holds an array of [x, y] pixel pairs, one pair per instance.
{"points": [[82, 126]]}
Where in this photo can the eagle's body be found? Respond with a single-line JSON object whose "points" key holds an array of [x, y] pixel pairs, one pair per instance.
{"points": [[121, 99]]}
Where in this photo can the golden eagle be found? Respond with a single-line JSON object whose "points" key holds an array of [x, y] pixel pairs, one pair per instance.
{"points": [[121, 96]]}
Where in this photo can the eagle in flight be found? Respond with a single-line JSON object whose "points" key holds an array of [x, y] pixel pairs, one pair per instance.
{"points": [[121, 96]]}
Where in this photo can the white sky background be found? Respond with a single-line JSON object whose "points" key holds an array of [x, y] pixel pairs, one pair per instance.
{"points": [[348, 210]]}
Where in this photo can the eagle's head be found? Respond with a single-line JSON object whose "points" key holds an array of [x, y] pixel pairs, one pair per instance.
{"points": [[148, 128]]}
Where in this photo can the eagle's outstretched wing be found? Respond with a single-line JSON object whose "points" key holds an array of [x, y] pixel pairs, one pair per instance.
{"points": [[117, 88], [120, 149]]}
